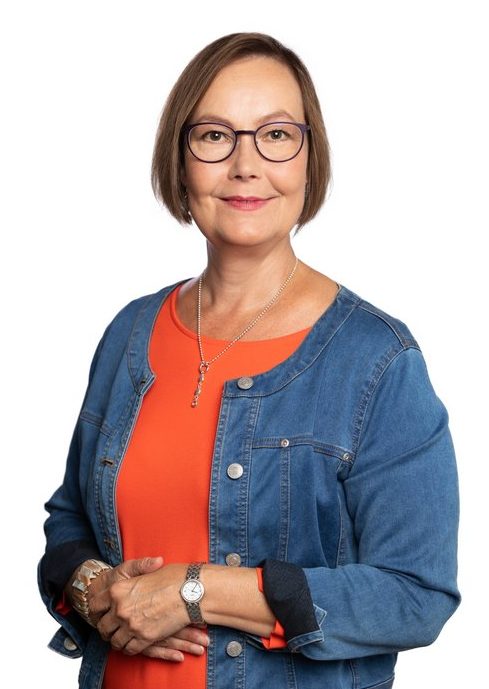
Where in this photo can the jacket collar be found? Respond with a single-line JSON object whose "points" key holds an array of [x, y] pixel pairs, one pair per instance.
{"points": [[265, 383]]}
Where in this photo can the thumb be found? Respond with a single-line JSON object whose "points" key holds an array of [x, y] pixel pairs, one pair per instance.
{"points": [[145, 565], [149, 564]]}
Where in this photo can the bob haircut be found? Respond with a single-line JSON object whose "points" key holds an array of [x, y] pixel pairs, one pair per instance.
{"points": [[168, 153]]}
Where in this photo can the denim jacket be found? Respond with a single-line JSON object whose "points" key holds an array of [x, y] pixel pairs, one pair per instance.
{"points": [[349, 474]]}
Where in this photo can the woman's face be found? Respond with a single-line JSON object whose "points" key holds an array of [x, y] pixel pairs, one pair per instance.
{"points": [[245, 95]]}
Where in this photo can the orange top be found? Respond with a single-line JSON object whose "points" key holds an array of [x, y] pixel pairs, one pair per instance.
{"points": [[163, 485]]}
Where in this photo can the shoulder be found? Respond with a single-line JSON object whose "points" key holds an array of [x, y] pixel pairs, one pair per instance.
{"points": [[393, 386], [136, 317], [370, 326], [141, 310], [368, 342]]}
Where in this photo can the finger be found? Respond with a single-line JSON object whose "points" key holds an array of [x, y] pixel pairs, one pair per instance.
{"points": [[121, 638], [135, 568], [99, 603], [107, 626], [135, 646], [196, 636], [163, 653], [181, 645]]}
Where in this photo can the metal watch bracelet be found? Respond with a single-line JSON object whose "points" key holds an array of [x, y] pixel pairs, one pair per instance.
{"points": [[86, 573]]}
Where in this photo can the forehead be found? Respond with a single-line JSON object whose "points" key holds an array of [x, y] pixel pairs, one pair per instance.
{"points": [[251, 89]]}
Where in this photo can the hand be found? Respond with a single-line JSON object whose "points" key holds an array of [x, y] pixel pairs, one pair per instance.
{"points": [[189, 640], [136, 613], [100, 586]]}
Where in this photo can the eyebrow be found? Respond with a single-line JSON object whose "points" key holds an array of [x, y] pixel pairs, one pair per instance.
{"points": [[211, 117]]}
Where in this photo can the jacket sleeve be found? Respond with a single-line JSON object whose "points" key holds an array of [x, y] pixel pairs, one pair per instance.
{"points": [[401, 495], [69, 542]]}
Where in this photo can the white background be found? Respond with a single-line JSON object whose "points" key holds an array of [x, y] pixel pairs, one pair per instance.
{"points": [[403, 88]]}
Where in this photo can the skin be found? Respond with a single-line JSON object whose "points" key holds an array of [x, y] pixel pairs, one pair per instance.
{"points": [[188, 640], [137, 606]]}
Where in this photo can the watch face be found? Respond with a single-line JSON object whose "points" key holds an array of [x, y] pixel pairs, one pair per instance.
{"points": [[192, 590]]}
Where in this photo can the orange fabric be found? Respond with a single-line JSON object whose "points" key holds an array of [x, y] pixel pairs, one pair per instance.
{"points": [[163, 485], [277, 637]]}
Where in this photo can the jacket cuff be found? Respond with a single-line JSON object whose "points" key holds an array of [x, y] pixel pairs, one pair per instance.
{"points": [[59, 563], [287, 592]]}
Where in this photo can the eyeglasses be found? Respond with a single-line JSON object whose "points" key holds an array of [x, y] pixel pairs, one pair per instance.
{"points": [[213, 142]]}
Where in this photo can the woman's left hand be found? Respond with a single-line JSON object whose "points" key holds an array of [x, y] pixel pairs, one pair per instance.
{"points": [[142, 610]]}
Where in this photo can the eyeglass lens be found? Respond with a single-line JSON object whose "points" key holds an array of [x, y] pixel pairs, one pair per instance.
{"points": [[275, 141]]}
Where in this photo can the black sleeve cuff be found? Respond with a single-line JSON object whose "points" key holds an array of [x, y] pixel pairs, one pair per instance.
{"points": [[287, 592], [59, 563]]}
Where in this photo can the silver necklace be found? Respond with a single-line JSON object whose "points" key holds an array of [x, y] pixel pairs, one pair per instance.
{"points": [[205, 365]]}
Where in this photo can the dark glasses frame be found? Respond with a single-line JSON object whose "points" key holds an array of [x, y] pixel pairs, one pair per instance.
{"points": [[187, 129]]}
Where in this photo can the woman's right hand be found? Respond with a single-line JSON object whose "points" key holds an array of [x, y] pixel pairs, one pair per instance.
{"points": [[188, 640]]}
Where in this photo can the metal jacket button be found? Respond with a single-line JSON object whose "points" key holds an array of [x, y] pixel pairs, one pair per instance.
{"points": [[234, 649], [235, 470], [245, 383], [69, 644], [233, 560]]}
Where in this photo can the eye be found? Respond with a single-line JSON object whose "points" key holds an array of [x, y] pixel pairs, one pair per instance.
{"points": [[213, 136], [277, 134]]}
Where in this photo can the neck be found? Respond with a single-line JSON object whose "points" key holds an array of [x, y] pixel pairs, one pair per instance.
{"points": [[242, 281]]}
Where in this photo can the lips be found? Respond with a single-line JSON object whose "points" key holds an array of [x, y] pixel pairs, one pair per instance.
{"points": [[246, 203]]}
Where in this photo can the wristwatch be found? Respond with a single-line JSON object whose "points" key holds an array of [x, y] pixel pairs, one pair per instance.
{"points": [[192, 592], [88, 571]]}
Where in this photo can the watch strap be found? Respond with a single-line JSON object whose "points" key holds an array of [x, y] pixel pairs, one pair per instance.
{"points": [[193, 571]]}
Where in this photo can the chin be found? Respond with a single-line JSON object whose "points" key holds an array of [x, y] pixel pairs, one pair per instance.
{"points": [[247, 236], [242, 228]]}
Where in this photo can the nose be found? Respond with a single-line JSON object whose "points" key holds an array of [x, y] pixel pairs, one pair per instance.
{"points": [[245, 160]]}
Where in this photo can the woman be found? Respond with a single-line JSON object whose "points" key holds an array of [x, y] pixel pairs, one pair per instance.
{"points": [[259, 450]]}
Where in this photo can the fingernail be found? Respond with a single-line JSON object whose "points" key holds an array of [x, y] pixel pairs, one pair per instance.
{"points": [[204, 640]]}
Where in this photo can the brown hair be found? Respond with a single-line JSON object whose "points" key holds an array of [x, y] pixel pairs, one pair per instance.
{"points": [[189, 89]]}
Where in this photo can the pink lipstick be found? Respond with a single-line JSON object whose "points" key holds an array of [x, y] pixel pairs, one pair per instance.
{"points": [[246, 203]]}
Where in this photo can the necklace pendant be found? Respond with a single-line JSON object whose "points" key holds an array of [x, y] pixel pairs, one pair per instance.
{"points": [[204, 365], [203, 368]]}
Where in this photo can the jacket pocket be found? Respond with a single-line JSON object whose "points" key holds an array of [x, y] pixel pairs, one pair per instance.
{"points": [[294, 491]]}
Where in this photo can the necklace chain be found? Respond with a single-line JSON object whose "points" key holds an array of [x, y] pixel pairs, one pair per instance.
{"points": [[204, 365]]}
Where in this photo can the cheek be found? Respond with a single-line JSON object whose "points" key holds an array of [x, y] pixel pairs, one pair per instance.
{"points": [[201, 179], [290, 180], [291, 177]]}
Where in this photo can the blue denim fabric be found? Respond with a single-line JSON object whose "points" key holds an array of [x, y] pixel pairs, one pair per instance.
{"points": [[349, 472]]}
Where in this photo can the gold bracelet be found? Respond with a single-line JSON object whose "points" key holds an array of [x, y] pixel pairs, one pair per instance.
{"points": [[88, 571]]}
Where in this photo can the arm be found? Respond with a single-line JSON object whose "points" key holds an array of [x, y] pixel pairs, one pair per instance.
{"points": [[69, 536], [69, 542], [233, 599], [401, 495]]}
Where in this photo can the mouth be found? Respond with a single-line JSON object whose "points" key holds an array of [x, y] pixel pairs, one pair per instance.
{"points": [[246, 203]]}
